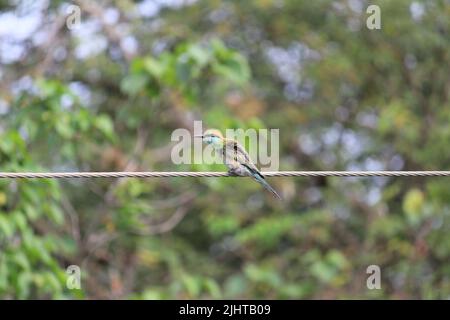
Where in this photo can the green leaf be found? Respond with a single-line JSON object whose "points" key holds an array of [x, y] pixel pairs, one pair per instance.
{"points": [[133, 84], [31, 212], [19, 220], [6, 227], [323, 271], [52, 282], [64, 128], [199, 54], [192, 285], [23, 284], [21, 260], [154, 67], [55, 213], [337, 259], [213, 288], [234, 68], [105, 125], [183, 70], [413, 203]]}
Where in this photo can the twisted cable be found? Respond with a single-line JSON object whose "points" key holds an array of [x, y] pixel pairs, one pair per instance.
{"points": [[146, 174]]}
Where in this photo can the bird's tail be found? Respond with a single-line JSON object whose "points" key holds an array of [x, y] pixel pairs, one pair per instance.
{"points": [[260, 178]]}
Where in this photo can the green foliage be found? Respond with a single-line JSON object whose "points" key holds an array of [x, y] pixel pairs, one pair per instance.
{"points": [[184, 70], [32, 221]]}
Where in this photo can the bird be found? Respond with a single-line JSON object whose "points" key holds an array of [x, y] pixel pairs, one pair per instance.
{"points": [[235, 158]]}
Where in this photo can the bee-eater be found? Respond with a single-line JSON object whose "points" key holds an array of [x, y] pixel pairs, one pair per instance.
{"points": [[235, 158]]}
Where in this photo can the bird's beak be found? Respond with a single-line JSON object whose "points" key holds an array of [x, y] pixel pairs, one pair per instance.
{"points": [[200, 136]]}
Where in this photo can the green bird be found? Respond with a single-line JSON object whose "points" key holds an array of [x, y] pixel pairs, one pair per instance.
{"points": [[235, 158]]}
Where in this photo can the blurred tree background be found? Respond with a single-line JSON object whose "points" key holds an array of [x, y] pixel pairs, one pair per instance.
{"points": [[106, 95]]}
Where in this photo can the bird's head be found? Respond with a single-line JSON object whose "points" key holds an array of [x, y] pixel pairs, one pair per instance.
{"points": [[212, 136]]}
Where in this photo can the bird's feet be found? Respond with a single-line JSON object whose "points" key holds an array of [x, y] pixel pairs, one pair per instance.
{"points": [[232, 173]]}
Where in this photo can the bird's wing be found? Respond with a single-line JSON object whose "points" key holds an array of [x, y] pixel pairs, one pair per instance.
{"points": [[236, 153], [243, 159], [240, 155]]}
